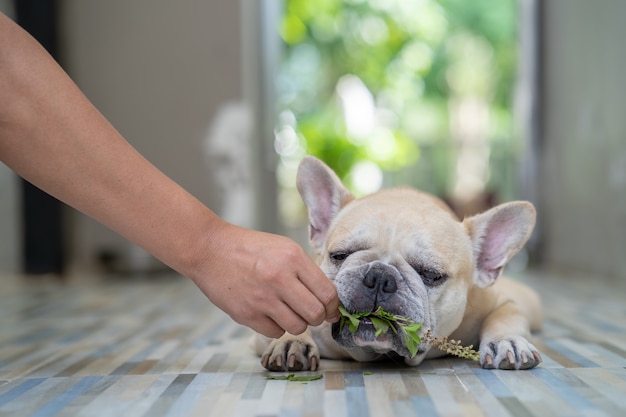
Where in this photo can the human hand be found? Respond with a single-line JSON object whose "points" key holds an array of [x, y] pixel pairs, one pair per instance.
{"points": [[51, 135], [266, 282]]}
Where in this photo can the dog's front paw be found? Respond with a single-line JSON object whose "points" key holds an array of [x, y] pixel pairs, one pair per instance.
{"points": [[291, 353], [514, 352]]}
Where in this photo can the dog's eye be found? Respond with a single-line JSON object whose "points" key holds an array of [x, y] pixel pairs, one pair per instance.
{"points": [[432, 278], [338, 257]]}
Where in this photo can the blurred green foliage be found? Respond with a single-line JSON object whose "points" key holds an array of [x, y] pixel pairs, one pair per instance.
{"points": [[414, 57]]}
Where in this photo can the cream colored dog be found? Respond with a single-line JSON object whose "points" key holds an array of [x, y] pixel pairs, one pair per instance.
{"points": [[406, 251]]}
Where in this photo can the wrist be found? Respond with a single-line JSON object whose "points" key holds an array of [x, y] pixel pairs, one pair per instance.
{"points": [[202, 246]]}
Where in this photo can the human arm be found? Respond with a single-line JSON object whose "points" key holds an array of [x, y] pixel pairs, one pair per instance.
{"points": [[51, 135]]}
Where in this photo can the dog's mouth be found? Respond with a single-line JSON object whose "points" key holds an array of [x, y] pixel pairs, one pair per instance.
{"points": [[366, 326], [364, 336], [395, 339], [389, 344]]}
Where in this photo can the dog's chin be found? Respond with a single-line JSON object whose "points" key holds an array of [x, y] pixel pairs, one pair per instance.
{"points": [[389, 344]]}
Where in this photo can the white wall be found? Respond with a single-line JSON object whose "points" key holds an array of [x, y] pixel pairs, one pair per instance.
{"points": [[583, 154], [163, 73]]}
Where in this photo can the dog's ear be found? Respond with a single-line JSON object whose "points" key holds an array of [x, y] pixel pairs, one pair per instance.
{"points": [[497, 235], [323, 194]]}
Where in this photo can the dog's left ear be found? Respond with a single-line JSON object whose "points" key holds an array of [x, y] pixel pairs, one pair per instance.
{"points": [[497, 235], [323, 194]]}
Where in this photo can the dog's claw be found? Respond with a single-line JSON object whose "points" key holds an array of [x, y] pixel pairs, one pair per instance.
{"points": [[488, 364], [290, 354], [514, 352], [294, 364], [507, 363]]}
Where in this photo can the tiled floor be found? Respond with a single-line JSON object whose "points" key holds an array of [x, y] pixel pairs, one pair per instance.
{"points": [[158, 348]]}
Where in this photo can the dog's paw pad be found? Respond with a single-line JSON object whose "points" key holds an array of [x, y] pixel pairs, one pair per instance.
{"points": [[290, 355], [509, 353]]}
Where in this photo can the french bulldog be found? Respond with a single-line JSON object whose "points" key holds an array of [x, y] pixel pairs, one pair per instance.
{"points": [[405, 251]]}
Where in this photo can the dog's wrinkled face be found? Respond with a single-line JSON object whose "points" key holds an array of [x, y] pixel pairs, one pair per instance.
{"points": [[405, 252]]}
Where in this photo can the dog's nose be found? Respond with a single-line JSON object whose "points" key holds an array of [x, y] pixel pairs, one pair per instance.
{"points": [[380, 280]]}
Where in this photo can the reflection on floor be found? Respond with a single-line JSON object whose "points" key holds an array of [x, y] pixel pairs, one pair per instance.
{"points": [[158, 348]]}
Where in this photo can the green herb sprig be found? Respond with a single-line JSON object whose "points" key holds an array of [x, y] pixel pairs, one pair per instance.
{"points": [[294, 377], [452, 347], [383, 321]]}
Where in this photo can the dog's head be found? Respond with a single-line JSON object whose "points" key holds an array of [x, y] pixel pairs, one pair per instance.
{"points": [[404, 251]]}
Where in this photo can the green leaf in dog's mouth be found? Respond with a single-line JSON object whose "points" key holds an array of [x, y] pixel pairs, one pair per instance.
{"points": [[384, 321]]}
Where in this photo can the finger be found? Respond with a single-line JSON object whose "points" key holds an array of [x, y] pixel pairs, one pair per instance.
{"points": [[322, 288], [305, 304], [288, 319], [267, 327]]}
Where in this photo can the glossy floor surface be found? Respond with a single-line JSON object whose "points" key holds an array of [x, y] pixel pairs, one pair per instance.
{"points": [[156, 347]]}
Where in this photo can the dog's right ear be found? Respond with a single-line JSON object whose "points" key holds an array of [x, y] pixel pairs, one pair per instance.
{"points": [[323, 194]]}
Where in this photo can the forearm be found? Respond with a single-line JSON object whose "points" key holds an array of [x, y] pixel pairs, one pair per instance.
{"points": [[52, 136]]}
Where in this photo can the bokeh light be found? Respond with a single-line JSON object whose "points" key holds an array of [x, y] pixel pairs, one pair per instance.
{"points": [[387, 92]]}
